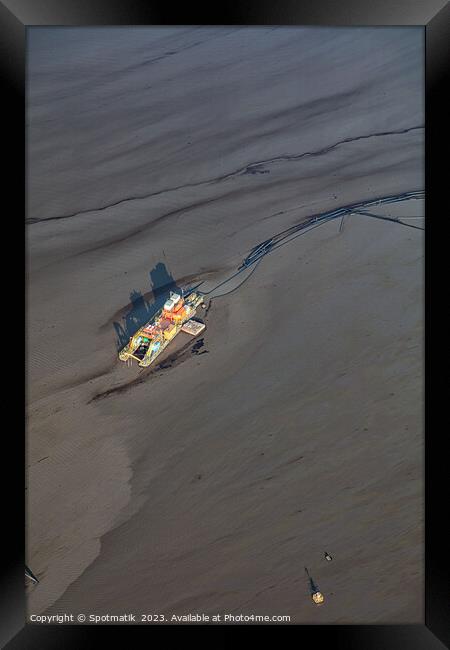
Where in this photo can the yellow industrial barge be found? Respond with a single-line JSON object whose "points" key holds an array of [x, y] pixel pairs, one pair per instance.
{"points": [[175, 316]]}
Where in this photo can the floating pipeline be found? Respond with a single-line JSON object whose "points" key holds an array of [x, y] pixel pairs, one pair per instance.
{"points": [[274, 242], [282, 238]]}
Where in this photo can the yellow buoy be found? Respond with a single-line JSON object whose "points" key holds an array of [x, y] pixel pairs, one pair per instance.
{"points": [[318, 597]]}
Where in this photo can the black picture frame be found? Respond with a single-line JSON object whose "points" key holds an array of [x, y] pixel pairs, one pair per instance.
{"points": [[434, 15]]}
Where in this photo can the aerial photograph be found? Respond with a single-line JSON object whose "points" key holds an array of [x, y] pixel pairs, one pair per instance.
{"points": [[224, 325]]}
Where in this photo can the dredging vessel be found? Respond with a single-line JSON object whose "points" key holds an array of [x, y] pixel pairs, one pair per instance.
{"points": [[175, 316]]}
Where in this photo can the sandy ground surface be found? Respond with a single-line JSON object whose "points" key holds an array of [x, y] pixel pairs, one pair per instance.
{"points": [[160, 155]]}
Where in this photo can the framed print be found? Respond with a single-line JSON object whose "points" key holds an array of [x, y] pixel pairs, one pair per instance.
{"points": [[227, 274]]}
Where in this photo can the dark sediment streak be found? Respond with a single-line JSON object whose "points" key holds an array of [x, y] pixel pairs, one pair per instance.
{"points": [[248, 169]]}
